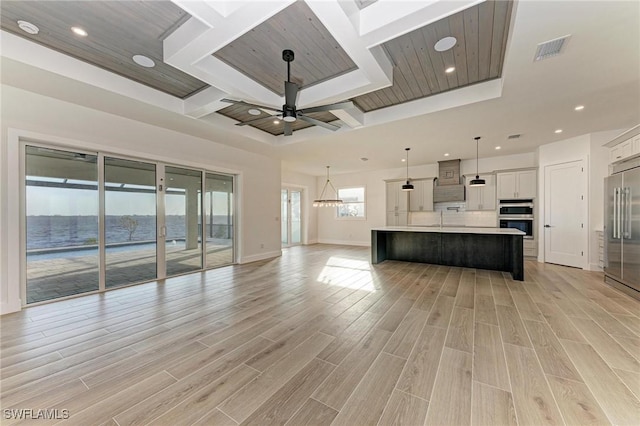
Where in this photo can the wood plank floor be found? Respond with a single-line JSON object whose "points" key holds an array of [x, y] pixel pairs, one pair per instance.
{"points": [[320, 336]]}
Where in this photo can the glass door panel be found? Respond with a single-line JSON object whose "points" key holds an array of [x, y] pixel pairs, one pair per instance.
{"points": [[61, 201], [218, 204], [183, 218], [130, 222], [284, 214], [291, 217], [295, 215]]}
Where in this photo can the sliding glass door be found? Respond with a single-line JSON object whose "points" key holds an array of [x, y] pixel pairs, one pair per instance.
{"points": [[183, 218], [61, 194], [95, 222], [130, 221], [219, 230]]}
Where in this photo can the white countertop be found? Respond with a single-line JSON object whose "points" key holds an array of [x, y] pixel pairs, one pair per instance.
{"points": [[452, 230]]}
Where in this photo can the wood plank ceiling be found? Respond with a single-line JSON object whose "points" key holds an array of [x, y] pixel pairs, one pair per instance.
{"points": [[120, 29], [117, 31], [419, 70], [258, 53]]}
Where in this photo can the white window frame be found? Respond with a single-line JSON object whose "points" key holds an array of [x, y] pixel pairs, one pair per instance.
{"points": [[364, 202]]}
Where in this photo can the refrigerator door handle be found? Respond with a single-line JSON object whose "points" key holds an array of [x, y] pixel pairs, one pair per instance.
{"points": [[615, 213], [627, 213]]}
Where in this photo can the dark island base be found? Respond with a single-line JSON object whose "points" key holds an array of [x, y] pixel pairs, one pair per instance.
{"points": [[482, 251]]}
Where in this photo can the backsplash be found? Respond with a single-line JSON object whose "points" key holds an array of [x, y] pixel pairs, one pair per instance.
{"points": [[453, 218]]}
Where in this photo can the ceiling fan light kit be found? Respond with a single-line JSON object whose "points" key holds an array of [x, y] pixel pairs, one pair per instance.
{"points": [[326, 202], [477, 181], [289, 113]]}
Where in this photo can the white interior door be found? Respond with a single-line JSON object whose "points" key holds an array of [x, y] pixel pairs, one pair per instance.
{"points": [[565, 214]]}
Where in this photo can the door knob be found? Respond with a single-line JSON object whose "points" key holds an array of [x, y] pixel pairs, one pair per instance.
{"points": [[547, 226]]}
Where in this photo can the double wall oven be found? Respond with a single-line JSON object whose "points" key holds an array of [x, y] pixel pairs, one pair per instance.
{"points": [[517, 214]]}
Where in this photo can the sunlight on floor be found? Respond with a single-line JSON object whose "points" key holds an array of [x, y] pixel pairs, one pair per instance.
{"points": [[348, 273]]}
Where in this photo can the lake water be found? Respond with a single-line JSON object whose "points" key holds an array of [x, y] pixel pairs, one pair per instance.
{"points": [[72, 231]]}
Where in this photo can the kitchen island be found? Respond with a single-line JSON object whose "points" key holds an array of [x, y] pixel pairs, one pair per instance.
{"points": [[499, 249]]}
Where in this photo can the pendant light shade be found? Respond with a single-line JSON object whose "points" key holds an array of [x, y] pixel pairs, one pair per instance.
{"points": [[477, 181], [407, 186], [327, 202]]}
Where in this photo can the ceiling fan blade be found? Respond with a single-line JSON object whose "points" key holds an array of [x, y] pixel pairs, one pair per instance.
{"points": [[339, 105], [231, 101], [287, 129], [332, 127], [290, 94], [255, 120]]}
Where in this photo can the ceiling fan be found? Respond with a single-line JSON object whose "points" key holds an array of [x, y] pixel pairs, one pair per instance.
{"points": [[289, 113]]}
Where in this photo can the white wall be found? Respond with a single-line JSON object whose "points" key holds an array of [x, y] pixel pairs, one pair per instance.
{"points": [[332, 230], [49, 119], [307, 183], [596, 160]]}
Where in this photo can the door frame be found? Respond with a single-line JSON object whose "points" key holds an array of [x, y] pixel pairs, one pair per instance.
{"points": [[543, 209], [302, 191]]}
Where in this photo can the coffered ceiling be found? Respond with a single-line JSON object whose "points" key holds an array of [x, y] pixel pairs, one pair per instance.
{"points": [[378, 54]]}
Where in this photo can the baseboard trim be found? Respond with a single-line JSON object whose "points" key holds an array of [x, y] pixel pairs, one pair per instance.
{"points": [[346, 243], [10, 307], [260, 256]]}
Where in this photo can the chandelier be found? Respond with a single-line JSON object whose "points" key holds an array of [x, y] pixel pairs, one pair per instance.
{"points": [[325, 202]]}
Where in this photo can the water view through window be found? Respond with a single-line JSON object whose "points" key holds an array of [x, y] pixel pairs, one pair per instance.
{"points": [[63, 222]]}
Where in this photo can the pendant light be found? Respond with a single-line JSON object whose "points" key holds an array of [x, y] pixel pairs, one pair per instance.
{"points": [[407, 186], [324, 202], [477, 181]]}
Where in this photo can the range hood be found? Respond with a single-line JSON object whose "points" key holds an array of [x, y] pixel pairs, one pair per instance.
{"points": [[448, 185]]}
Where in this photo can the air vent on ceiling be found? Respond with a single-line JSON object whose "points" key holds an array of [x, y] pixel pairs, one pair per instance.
{"points": [[516, 136], [551, 48]]}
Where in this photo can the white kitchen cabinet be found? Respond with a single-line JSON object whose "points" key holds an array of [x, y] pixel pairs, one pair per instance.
{"points": [[397, 218], [518, 184], [635, 145], [421, 198], [621, 151], [481, 197], [397, 199], [397, 204]]}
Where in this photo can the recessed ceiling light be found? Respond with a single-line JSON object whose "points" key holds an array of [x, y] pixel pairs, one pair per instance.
{"points": [[79, 31], [445, 43], [498, 147], [254, 111], [403, 159], [446, 154], [558, 131], [450, 70], [579, 108], [276, 121], [143, 61], [28, 27]]}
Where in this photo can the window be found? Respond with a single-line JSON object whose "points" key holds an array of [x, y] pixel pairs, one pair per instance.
{"points": [[354, 205]]}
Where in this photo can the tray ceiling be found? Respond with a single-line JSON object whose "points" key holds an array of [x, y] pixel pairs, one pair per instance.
{"points": [[258, 53], [419, 70], [117, 31]]}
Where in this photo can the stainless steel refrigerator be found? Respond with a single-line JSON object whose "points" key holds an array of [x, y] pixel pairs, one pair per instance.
{"points": [[622, 228]]}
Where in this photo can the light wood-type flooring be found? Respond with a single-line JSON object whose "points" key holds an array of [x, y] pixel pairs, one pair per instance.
{"points": [[319, 336]]}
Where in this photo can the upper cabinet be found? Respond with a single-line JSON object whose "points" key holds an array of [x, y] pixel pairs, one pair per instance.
{"points": [[625, 146], [421, 198], [518, 184], [481, 197], [397, 199]]}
